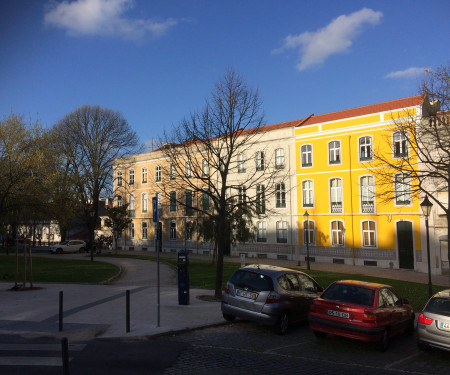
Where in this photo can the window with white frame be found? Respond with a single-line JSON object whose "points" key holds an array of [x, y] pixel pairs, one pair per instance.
{"points": [[119, 178], [223, 162], [279, 158], [367, 186], [131, 206], [308, 193], [173, 201], [159, 203], [281, 231], [334, 152], [189, 231], [336, 195], [309, 232], [144, 175], [188, 169], [205, 168], [131, 177], [402, 189], [400, 144], [119, 201], [242, 167], [173, 230], [131, 230], [259, 161], [369, 233], [172, 172], [189, 209], [337, 233], [261, 235], [144, 230], [307, 155], [205, 200], [280, 195], [158, 173], [242, 195], [144, 205], [365, 148], [260, 199]]}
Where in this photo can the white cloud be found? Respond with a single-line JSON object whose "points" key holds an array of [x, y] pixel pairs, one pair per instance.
{"points": [[413, 72], [337, 37], [103, 17]]}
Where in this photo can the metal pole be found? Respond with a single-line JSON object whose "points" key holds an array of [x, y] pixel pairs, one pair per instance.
{"points": [[128, 311], [60, 311], [430, 287], [65, 355], [307, 243]]}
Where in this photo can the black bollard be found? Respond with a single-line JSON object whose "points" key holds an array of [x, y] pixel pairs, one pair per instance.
{"points": [[65, 355], [128, 310], [60, 311]]}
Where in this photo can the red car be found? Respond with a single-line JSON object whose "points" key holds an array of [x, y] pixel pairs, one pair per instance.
{"points": [[361, 310]]}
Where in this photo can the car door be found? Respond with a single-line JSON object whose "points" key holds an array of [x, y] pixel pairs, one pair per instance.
{"points": [[292, 295], [401, 312], [310, 290], [384, 310]]}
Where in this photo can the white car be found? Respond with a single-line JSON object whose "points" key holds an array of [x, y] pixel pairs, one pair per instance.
{"points": [[70, 246]]}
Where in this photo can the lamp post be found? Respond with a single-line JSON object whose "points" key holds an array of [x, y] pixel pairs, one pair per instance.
{"points": [[426, 209], [306, 216]]}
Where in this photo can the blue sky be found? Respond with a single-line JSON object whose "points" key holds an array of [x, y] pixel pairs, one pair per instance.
{"points": [[157, 61]]}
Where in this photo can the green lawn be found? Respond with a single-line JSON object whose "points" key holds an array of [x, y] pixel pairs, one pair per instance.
{"points": [[57, 270]]}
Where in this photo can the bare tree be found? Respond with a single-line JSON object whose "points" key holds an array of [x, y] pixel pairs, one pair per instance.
{"points": [[90, 138], [203, 154], [422, 146]]}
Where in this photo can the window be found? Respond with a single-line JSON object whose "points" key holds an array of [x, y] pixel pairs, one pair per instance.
{"points": [[260, 199], [173, 230], [205, 200], [144, 175], [367, 186], [279, 158], [334, 152], [205, 168], [337, 233], [119, 178], [158, 173], [172, 172], [189, 210], [399, 143], [365, 148], [223, 162], [402, 189], [306, 151], [119, 201], [173, 201], [308, 193], [188, 169], [242, 195], [131, 206], [309, 232], [280, 195], [144, 205], [260, 161], [369, 233], [144, 230], [159, 203], [189, 230], [131, 230], [131, 177], [336, 195], [241, 163], [261, 232], [281, 231]]}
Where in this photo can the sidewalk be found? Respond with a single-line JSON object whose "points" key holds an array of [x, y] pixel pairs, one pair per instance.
{"points": [[100, 310]]}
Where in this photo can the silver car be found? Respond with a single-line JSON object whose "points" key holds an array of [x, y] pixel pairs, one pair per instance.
{"points": [[70, 246], [433, 325], [270, 295]]}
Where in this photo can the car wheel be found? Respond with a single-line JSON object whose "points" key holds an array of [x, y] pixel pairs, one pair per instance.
{"points": [[384, 343], [59, 251], [320, 335], [282, 324], [228, 317], [82, 250]]}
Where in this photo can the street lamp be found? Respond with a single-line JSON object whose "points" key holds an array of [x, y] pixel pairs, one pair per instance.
{"points": [[426, 209], [306, 216]]}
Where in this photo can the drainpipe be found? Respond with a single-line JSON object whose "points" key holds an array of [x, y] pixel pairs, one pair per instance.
{"points": [[351, 197]]}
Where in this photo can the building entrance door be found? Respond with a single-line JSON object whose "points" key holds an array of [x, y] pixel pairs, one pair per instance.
{"points": [[405, 244]]}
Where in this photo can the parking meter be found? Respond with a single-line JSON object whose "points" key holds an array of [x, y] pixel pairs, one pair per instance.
{"points": [[183, 278]]}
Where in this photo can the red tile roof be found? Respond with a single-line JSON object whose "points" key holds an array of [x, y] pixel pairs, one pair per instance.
{"points": [[366, 110]]}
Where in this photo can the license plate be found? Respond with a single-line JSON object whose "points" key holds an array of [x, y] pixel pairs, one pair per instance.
{"points": [[245, 294], [444, 326], [339, 314]]}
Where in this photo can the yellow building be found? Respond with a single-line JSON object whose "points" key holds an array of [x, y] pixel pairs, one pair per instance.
{"points": [[338, 186]]}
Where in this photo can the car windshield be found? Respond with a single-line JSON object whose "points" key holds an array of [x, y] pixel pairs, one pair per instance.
{"points": [[350, 294], [439, 306], [65, 243], [251, 280]]}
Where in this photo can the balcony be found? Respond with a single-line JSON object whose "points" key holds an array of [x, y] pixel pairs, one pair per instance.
{"points": [[336, 207], [368, 207]]}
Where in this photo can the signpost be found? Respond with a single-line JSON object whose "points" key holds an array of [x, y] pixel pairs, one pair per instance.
{"points": [[155, 221]]}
